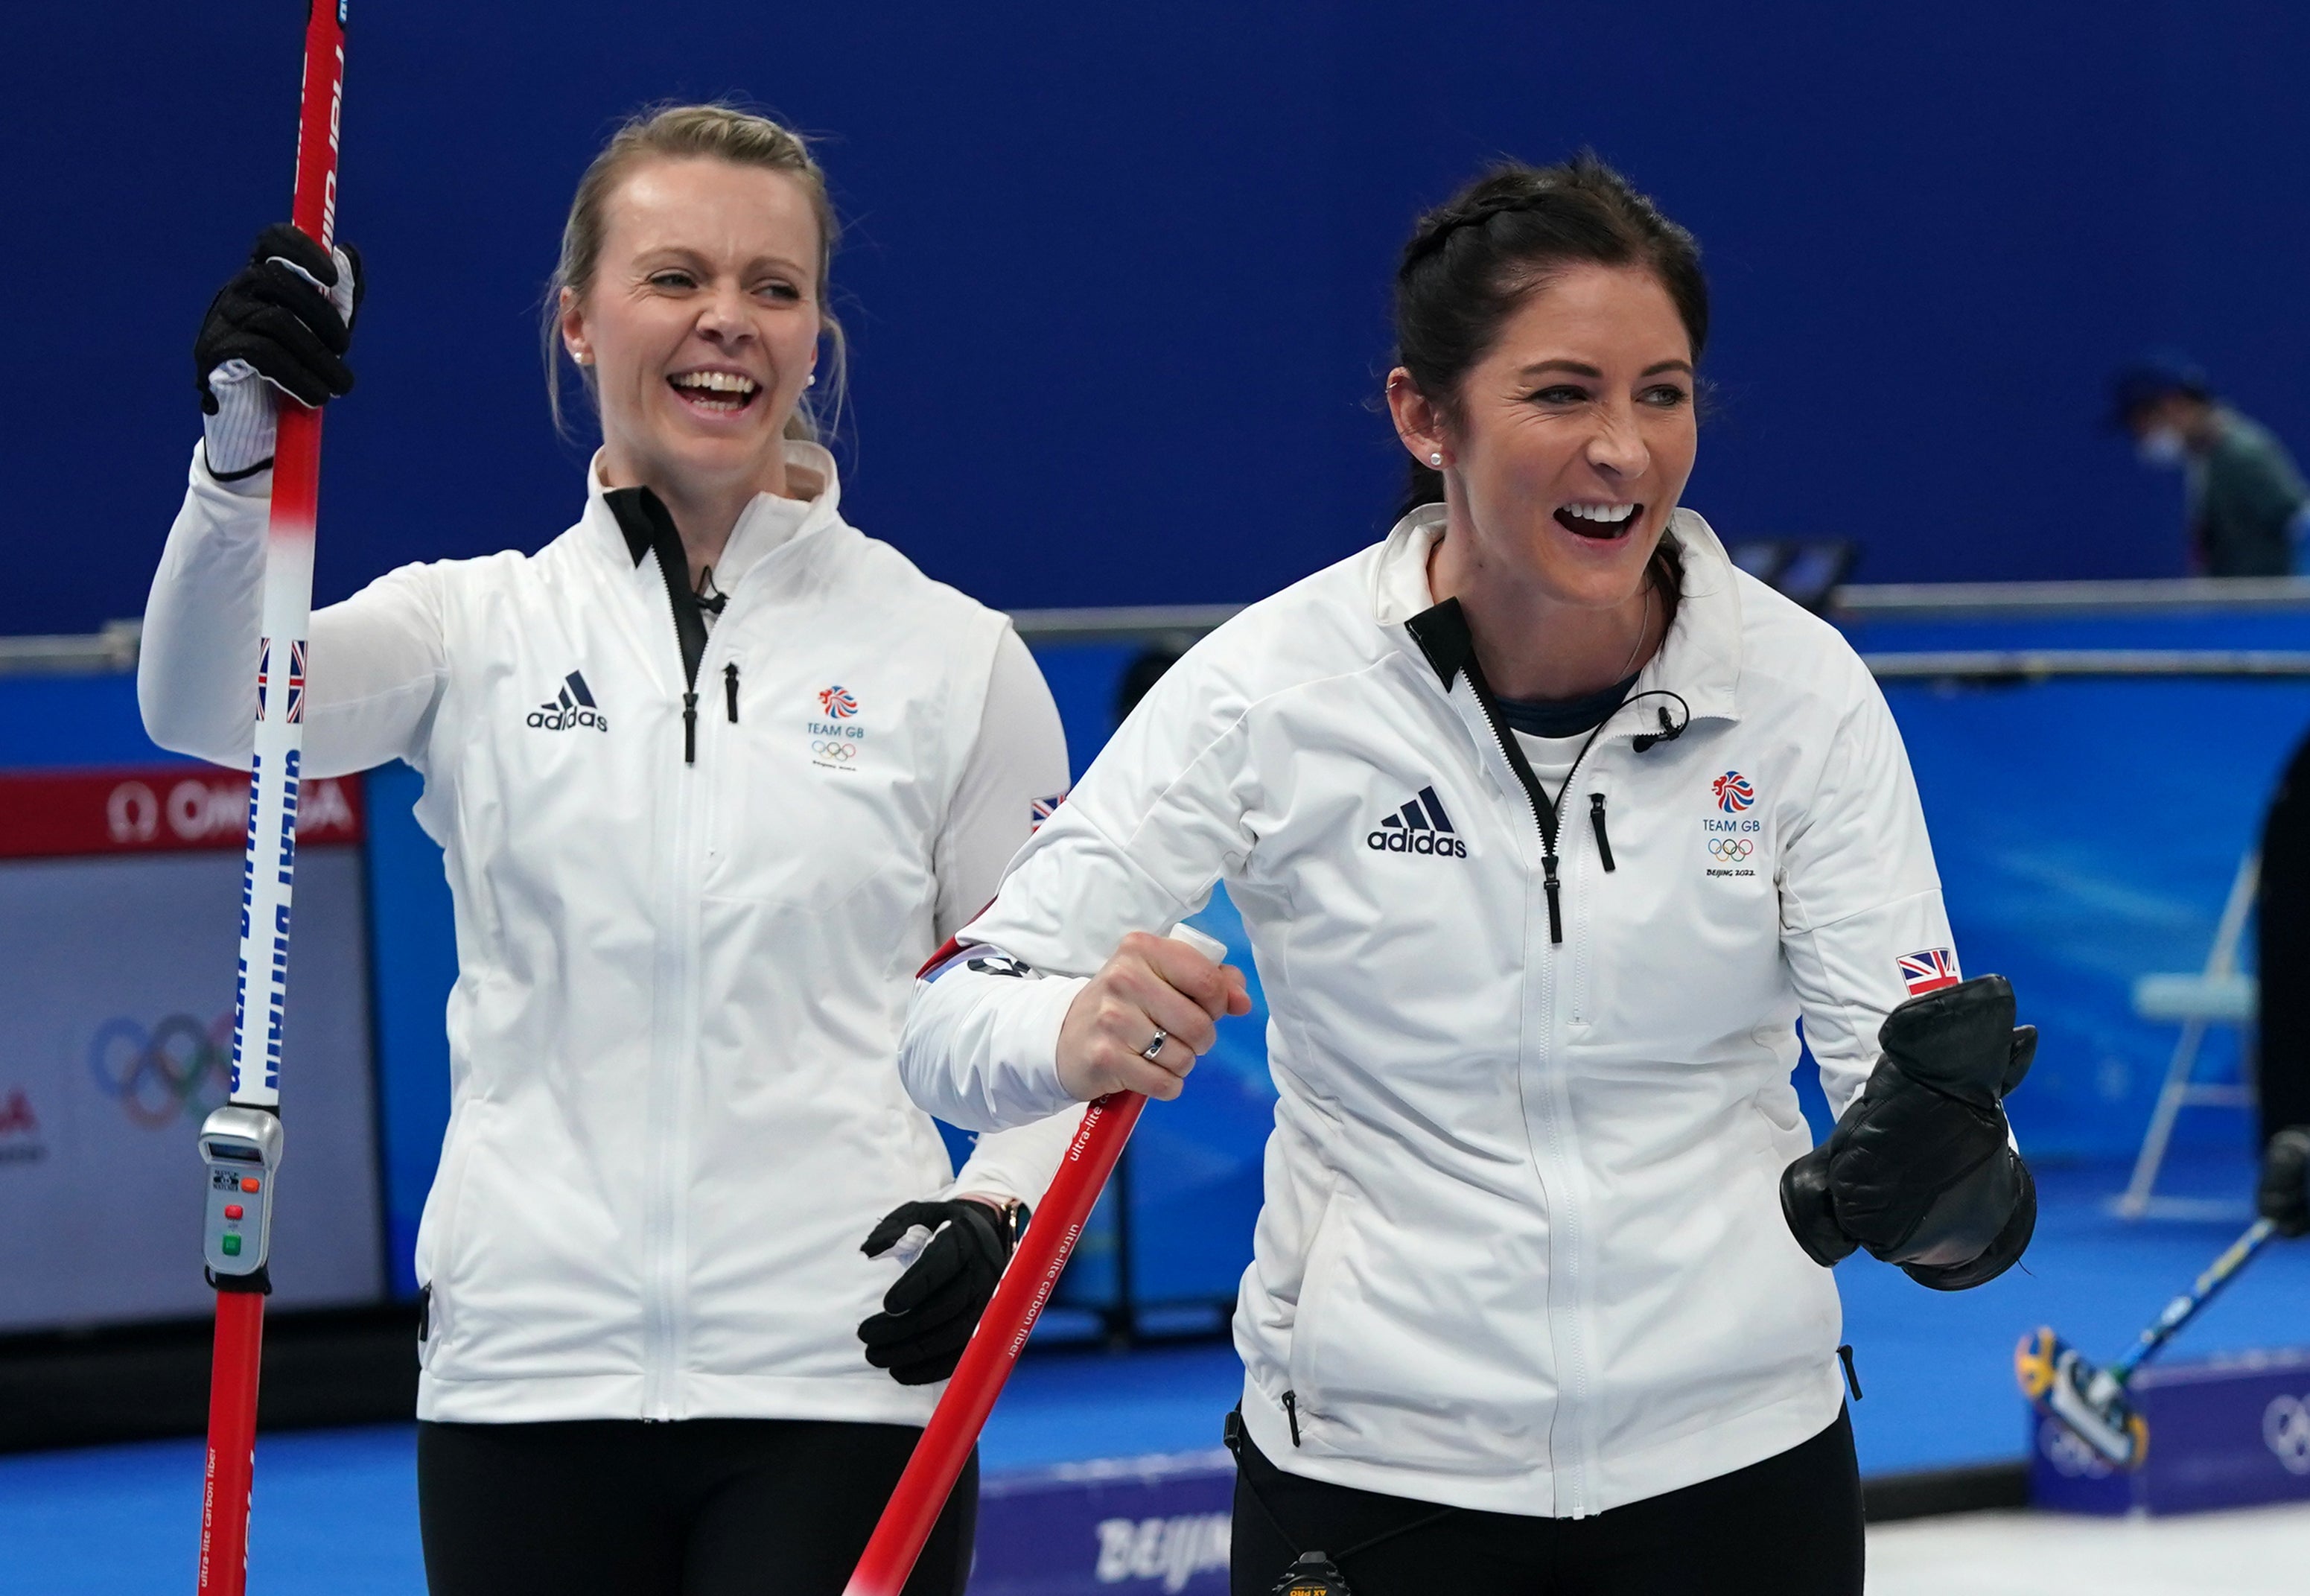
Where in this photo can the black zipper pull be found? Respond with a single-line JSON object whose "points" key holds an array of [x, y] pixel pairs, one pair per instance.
{"points": [[689, 728], [730, 689], [1291, 1413], [1852, 1379], [1555, 903], [1604, 838]]}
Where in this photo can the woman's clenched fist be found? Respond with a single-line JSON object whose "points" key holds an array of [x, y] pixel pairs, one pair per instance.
{"points": [[1144, 1018]]}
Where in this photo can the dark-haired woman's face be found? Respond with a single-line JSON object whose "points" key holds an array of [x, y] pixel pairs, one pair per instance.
{"points": [[1574, 437]]}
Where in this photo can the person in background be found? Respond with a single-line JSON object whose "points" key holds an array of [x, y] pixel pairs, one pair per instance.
{"points": [[2283, 1194], [2248, 510]]}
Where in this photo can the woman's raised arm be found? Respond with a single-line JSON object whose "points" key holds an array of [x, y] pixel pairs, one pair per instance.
{"points": [[376, 661], [282, 325]]}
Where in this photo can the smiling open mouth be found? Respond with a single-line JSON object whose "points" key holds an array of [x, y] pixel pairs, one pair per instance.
{"points": [[715, 392], [1600, 522]]}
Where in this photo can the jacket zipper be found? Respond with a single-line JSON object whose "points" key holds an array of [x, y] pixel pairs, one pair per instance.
{"points": [[1544, 810], [730, 689], [1441, 635], [662, 1264], [669, 1112], [649, 528], [1549, 818], [682, 608]]}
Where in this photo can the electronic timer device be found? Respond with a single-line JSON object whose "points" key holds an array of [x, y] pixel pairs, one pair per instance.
{"points": [[241, 1147]]}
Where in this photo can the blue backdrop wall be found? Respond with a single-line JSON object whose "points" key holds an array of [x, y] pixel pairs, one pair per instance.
{"points": [[1117, 276]]}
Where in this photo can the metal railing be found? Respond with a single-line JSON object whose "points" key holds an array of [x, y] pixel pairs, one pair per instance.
{"points": [[2001, 666], [1981, 601], [109, 652], [1137, 623]]}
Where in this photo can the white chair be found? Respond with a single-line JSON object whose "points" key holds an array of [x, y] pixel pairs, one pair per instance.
{"points": [[2218, 994]]}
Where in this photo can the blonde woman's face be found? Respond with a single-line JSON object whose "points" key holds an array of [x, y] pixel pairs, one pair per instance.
{"points": [[701, 327]]}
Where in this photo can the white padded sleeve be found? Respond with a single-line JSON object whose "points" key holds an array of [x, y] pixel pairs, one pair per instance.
{"points": [[377, 660]]}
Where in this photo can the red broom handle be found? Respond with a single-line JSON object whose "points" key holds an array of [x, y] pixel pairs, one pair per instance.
{"points": [[297, 453], [232, 1441], [987, 1363], [272, 840]]}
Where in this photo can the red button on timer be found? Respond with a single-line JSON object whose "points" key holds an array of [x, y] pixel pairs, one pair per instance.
{"points": [[232, 1210], [249, 1183]]}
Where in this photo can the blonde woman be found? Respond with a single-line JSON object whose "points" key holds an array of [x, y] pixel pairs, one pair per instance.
{"points": [[713, 772]]}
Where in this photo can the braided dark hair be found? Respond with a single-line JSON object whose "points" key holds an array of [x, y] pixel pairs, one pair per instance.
{"points": [[1470, 260]]}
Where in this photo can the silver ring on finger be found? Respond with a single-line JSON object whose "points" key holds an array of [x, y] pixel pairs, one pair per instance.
{"points": [[1153, 1049]]}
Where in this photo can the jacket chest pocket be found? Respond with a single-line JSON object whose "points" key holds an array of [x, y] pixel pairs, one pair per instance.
{"points": [[1691, 908], [803, 815]]}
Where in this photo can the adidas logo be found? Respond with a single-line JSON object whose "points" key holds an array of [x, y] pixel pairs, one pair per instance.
{"points": [[1419, 827], [570, 708]]}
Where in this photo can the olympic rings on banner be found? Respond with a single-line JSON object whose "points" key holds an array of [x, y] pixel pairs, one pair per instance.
{"points": [[2285, 1431], [178, 1069], [833, 748], [1730, 847]]}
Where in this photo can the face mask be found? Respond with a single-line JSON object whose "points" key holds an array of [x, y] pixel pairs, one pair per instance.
{"points": [[2161, 446]]}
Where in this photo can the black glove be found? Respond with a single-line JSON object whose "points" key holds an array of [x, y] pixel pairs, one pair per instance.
{"points": [[2284, 1197], [930, 1311], [1919, 1171], [281, 324]]}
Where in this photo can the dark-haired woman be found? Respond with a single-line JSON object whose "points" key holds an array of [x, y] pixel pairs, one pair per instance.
{"points": [[713, 772], [1547, 825]]}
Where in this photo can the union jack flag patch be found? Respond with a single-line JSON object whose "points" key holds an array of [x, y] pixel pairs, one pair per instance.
{"points": [[263, 668], [1043, 809], [1928, 971], [296, 681]]}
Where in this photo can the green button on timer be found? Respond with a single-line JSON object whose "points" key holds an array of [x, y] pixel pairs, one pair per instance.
{"points": [[232, 1247]]}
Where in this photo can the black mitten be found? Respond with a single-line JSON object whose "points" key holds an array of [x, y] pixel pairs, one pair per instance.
{"points": [[1920, 1170], [292, 334], [2284, 1197], [930, 1311]]}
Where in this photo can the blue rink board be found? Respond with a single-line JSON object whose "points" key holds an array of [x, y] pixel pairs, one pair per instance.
{"points": [[336, 1510]]}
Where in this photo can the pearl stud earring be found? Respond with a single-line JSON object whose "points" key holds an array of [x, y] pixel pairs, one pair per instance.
{"points": [[1435, 459]]}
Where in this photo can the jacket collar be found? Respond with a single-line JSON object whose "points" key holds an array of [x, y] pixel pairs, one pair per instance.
{"points": [[627, 537], [1700, 660]]}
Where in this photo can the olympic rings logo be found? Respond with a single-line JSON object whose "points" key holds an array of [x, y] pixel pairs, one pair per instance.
{"points": [[179, 1070], [2285, 1431], [833, 748], [1730, 847]]}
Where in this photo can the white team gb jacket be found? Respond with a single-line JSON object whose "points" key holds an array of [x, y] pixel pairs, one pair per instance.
{"points": [[680, 984], [1522, 1248]]}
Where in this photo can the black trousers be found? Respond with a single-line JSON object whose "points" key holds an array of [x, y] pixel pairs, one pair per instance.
{"points": [[1788, 1526], [700, 1507]]}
